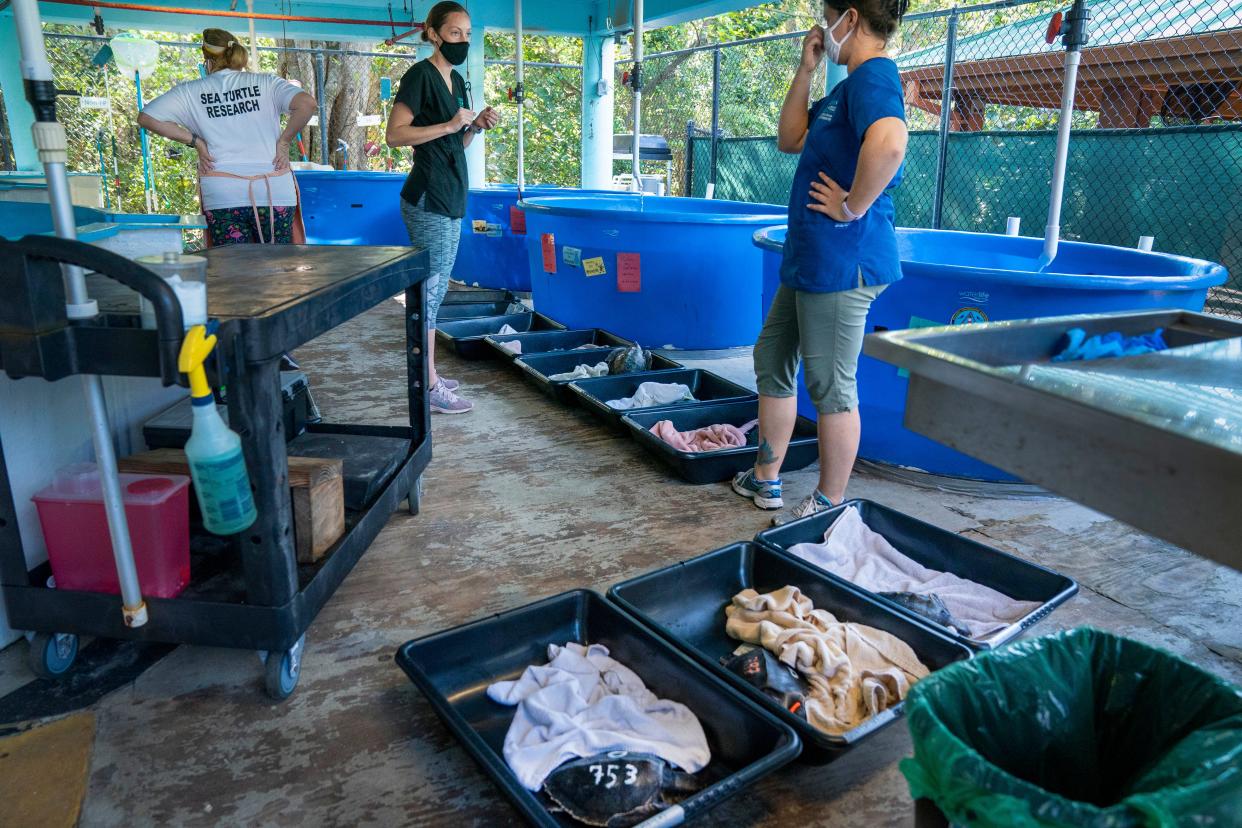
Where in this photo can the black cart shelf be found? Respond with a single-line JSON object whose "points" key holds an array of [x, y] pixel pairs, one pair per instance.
{"points": [[247, 591]]}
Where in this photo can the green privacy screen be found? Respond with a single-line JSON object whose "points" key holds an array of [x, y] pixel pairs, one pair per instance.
{"points": [[1180, 185]]}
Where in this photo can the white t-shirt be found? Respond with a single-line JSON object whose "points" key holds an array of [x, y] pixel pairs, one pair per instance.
{"points": [[238, 115]]}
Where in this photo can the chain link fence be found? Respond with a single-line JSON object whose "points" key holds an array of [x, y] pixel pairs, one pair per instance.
{"points": [[358, 85], [100, 113], [1157, 140]]}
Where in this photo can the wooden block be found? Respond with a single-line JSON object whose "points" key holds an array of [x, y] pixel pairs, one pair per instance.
{"points": [[318, 495]]}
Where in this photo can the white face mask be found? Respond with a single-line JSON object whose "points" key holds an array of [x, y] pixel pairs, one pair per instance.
{"points": [[832, 46]]}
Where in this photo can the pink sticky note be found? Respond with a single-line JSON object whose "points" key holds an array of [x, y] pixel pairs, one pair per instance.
{"points": [[629, 272], [549, 253]]}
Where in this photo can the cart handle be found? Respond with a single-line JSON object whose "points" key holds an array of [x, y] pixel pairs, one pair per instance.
{"points": [[168, 320]]}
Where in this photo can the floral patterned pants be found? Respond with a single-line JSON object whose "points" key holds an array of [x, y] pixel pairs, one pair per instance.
{"points": [[235, 225]]}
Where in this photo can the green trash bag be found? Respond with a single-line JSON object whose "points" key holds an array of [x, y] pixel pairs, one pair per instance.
{"points": [[1083, 729]]}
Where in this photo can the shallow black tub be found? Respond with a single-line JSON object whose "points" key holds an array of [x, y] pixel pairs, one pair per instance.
{"points": [[946, 551], [453, 670], [465, 337], [538, 367], [715, 466], [473, 310], [595, 393], [685, 603], [457, 296], [541, 342]]}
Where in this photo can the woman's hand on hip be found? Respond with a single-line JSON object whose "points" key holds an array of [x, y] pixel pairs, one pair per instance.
{"points": [[813, 49], [463, 118], [206, 163], [281, 162], [827, 198]]}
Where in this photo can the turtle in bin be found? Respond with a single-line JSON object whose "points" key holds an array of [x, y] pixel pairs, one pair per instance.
{"points": [[618, 788], [629, 360]]}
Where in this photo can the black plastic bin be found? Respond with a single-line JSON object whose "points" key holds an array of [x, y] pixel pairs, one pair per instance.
{"points": [[457, 296], [714, 466], [685, 603], [170, 429], [595, 393], [466, 337], [946, 551], [541, 342], [473, 310], [453, 670], [538, 367]]}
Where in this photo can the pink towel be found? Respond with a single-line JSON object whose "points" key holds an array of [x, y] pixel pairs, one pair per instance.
{"points": [[708, 438]]}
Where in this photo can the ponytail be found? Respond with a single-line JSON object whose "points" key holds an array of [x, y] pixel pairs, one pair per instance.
{"points": [[223, 50]]}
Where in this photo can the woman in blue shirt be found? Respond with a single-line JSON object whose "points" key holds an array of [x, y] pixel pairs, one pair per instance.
{"points": [[841, 248]]}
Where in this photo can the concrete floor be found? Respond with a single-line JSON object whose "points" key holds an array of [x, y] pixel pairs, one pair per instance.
{"points": [[526, 499]]}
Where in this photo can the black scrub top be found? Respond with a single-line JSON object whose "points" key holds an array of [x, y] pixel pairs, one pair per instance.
{"points": [[439, 170]]}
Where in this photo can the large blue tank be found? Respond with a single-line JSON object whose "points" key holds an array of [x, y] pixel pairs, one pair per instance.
{"points": [[352, 207], [348, 207], [676, 272], [492, 252], [952, 278]]}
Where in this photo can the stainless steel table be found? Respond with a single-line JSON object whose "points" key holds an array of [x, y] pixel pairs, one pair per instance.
{"points": [[1153, 440]]}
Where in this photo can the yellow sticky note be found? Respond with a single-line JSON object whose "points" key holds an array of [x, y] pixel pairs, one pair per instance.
{"points": [[479, 225], [595, 266]]}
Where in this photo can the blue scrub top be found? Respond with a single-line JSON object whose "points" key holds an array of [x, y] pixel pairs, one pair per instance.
{"points": [[822, 255]]}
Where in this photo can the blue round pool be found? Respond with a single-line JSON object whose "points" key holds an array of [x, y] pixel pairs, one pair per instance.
{"points": [[351, 207], [493, 237], [952, 278], [666, 272]]}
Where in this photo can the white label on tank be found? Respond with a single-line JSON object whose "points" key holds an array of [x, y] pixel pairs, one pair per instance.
{"points": [[93, 102]]}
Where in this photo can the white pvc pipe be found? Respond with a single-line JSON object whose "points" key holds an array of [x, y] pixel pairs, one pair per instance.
{"points": [[1146, 243], [520, 75], [1052, 232], [254, 47], [52, 145], [638, 92], [1013, 226]]}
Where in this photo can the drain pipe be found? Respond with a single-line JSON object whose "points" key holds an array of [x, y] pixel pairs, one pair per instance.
{"points": [[1075, 38], [636, 83], [49, 138], [519, 97]]}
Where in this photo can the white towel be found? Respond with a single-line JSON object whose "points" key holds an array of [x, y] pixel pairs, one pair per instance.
{"points": [[513, 347], [654, 393], [599, 369], [853, 551], [581, 703]]}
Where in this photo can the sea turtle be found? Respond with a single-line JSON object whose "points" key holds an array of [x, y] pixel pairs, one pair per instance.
{"points": [[618, 788]]}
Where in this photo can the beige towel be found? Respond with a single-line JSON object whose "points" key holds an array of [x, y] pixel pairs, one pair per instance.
{"points": [[855, 671]]}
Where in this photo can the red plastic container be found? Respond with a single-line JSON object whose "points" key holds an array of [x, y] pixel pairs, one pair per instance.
{"points": [[79, 547]]}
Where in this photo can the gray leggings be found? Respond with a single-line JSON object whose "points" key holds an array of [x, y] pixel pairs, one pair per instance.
{"points": [[440, 235]]}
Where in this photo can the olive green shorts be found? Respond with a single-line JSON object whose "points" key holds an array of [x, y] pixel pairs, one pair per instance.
{"points": [[825, 332]]}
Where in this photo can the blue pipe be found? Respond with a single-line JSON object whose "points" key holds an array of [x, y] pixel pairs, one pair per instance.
{"points": [[142, 134]]}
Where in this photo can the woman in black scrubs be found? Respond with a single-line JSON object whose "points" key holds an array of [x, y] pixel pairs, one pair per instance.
{"points": [[433, 114]]}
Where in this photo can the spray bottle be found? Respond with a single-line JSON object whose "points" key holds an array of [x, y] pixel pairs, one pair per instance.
{"points": [[213, 451]]}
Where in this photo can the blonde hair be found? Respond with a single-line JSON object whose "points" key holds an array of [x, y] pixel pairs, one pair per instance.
{"points": [[223, 50]]}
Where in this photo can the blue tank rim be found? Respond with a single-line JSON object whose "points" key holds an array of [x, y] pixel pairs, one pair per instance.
{"points": [[574, 206], [1206, 274]]}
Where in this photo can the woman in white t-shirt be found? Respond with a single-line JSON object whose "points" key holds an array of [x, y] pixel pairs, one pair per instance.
{"points": [[232, 118]]}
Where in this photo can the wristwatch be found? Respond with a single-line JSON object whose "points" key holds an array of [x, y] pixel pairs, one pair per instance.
{"points": [[194, 139], [478, 130]]}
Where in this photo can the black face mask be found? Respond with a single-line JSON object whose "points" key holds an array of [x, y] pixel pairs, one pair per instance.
{"points": [[455, 53]]}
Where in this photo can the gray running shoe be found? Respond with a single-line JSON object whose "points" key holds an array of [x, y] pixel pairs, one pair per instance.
{"points": [[444, 401]]}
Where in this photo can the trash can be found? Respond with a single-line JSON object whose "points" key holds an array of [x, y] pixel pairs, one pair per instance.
{"points": [[1081, 728]]}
